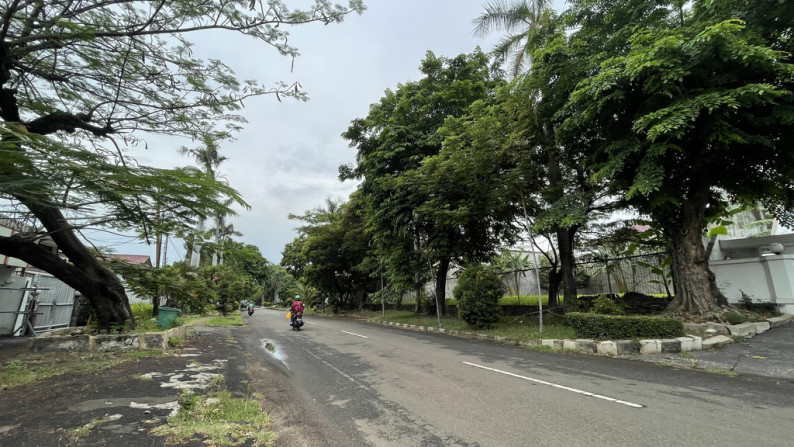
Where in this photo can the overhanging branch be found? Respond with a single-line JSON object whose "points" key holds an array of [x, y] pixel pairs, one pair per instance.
{"points": [[42, 258], [66, 122]]}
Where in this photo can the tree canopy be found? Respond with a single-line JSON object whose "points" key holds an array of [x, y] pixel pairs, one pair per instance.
{"points": [[81, 81], [394, 144], [692, 111], [674, 110]]}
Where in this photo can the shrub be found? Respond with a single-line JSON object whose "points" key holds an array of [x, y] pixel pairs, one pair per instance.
{"points": [[477, 294], [614, 327], [604, 305], [736, 318]]}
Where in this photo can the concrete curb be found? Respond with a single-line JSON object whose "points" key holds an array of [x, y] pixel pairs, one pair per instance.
{"points": [[621, 347], [55, 342]]}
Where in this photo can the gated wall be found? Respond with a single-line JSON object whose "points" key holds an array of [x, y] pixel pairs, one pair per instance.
{"points": [[618, 276], [12, 295], [56, 301]]}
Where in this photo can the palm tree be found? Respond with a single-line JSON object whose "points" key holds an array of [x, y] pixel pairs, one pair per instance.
{"points": [[209, 158], [208, 155], [518, 18], [514, 264], [223, 238]]}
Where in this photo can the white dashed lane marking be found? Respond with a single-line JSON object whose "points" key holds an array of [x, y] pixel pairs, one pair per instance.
{"points": [[561, 387], [357, 335]]}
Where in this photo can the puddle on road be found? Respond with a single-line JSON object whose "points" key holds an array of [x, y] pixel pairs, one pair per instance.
{"points": [[272, 348]]}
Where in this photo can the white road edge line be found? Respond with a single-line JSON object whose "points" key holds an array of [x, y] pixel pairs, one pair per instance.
{"points": [[357, 335], [562, 387], [309, 322]]}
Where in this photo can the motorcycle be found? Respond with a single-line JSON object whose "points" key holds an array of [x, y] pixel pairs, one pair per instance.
{"points": [[296, 323], [250, 309]]}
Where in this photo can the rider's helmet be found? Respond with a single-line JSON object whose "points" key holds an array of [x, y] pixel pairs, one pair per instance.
{"points": [[297, 297]]}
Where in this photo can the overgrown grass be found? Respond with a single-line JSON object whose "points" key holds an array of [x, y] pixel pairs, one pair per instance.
{"points": [[230, 320], [173, 342], [85, 430], [517, 327], [722, 372], [219, 419], [144, 322], [29, 368], [525, 300]]}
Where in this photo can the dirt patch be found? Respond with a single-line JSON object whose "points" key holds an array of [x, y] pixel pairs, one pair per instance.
{"points": [[116, 405]]}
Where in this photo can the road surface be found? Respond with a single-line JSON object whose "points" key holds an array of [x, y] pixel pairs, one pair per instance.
{"points": [[356, 384]]}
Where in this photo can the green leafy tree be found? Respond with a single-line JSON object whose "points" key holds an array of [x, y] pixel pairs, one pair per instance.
{"points": [[229, 286], [81, 80], [688, 111], [292, 258], [248, 260], [549, 179], [393, 142], [336, 249], [279, 285], [182, 286]]}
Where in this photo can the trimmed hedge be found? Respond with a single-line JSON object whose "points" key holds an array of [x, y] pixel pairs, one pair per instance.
{"points": [[619, 327]]}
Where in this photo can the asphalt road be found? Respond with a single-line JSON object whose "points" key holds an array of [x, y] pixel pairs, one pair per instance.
{"points": [[348, 383]]}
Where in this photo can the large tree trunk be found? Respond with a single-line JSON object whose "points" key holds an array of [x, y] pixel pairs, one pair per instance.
{"points": [[555, 279], [695, 285], [564, 235], [417, 293], [441, 285], [102, 287], [96, 283], [567, 265]]}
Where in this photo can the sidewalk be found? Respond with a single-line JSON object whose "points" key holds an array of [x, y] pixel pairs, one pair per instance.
{"points": [[770, 355]]}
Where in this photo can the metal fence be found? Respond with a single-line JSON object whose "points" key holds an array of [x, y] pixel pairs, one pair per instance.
{"points": [[643, 273], [593, 277], [55, 302]]}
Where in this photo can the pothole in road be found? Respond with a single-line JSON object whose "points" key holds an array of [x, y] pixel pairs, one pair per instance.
{"points": [[271, 348]]}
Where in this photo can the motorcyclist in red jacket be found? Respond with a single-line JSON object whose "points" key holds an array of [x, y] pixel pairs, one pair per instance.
{"points": [[296, 309]]}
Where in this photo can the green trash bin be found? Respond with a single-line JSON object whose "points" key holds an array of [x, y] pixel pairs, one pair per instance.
{"points": [[167, 316]]}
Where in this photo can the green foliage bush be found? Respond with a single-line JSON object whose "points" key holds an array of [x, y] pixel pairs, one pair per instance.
{"points": [[230, 286], [737, 318], [617, 327], [477, 294], [606, 306]]}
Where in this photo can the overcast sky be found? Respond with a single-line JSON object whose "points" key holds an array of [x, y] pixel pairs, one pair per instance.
{"points": [[286, 159]]}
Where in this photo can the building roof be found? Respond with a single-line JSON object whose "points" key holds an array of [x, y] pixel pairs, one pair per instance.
{"points": [[132, 259]]}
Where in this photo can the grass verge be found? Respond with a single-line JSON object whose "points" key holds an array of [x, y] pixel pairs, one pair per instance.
{"points": [[228, 320], [28, 368], [516, 327], [219, 419], [722, 372]]}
